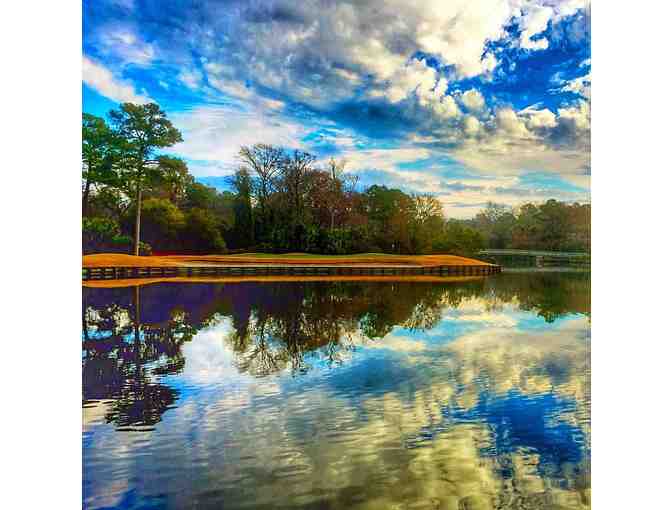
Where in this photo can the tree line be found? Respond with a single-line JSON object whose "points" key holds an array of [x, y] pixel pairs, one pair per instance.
{"points": [[552, 226], [136, 200]]}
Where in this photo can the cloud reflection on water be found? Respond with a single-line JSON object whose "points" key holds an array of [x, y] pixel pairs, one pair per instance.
{"points": [[488, 407]]}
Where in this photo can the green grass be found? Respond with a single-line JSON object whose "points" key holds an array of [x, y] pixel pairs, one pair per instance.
{"points": [[310, 255]]}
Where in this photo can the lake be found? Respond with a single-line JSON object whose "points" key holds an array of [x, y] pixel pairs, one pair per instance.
{"points": [[462, 395]]}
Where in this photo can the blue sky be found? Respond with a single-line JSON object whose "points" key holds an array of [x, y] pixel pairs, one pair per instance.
{"points": [[473, 100]]}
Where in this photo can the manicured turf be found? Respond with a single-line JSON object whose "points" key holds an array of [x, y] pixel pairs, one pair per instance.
{"points": [[366, 259]]}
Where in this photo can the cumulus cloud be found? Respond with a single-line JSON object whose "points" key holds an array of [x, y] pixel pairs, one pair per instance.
{"points": [[102, 80], [580, 86], [505, 141], [216, 133], [539, 119], [473, 100], [471, 126], [534, 21], [324, 54], [536, 17], [321, 52], [414, 74], [412, 169]]}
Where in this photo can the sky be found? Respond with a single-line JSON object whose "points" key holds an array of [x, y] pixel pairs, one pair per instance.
{"points": [[471, 100]]}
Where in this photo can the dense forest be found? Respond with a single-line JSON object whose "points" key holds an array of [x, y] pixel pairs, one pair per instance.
{"points": [[136, 200]]}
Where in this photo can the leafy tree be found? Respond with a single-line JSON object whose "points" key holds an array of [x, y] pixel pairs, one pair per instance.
{"points": [[98, 232], [579, 226], [527, 230], [143, 129], [199, 196], [162, 223], [201, 233], [458, 239], [241, 182], [109, 201], [496, 222], [554, 217], [174, 179], [282, 201], [426, 222], [389, 213], [98, 156]]}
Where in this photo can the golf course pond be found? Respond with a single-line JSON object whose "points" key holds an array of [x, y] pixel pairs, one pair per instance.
{"points": [[473, 393]]}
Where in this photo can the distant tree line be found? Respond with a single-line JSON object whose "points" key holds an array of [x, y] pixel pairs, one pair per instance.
{"points": [[135, 200], [552, 225]]}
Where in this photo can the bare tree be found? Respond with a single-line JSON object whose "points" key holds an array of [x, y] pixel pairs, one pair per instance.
{"points": [[264, 162], [295, 174], [336, 170], [425, 207]]}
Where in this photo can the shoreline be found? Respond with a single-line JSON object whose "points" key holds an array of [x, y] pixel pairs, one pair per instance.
{"points": [[128, 267], [140, 282], [279, 260]]}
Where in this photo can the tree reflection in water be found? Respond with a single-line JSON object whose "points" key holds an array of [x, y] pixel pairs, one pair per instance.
{"points": [[133, 337], [123, 359]]}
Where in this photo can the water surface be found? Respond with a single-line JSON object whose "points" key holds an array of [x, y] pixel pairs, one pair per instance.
{"points": [[463, 395]]}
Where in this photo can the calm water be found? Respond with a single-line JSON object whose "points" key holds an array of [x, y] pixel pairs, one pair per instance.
{"points": [[468, 395]]}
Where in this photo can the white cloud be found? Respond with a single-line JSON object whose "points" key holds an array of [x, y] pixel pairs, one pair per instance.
{"points": [[576, 118], [539, 119], [417, 86], [384, 159], [499, 155], [537, 16], [458, 31], [321, 53], [216, 133], [191, 78], [398, 343], [463, 198], [123, 42], [415, 75], [508, 142], [580, 85], [511, 125], [230, 88], [534, 21], [102, 80], [471, 126], [473, 100]]}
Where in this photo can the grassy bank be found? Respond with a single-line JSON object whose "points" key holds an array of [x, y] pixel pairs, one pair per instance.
{"points": [[362, 259]]}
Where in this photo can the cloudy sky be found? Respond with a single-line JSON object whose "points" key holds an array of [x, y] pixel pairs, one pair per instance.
{"points": [[473, 100]]}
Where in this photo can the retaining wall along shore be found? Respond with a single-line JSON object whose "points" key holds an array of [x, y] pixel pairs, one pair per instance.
{"points": [[113, 273]]}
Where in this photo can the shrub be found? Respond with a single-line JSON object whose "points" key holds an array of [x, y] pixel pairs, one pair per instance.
{"points": [[124, 244], [160, 224], [97, 233], [103, 235], [201, 234]]}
